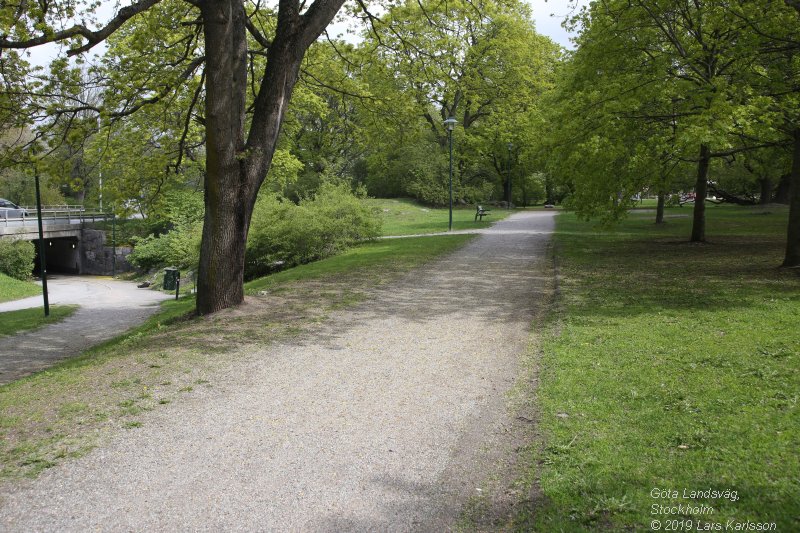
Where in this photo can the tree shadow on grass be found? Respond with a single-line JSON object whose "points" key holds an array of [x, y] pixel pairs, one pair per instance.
{"points": [[623, 277]]}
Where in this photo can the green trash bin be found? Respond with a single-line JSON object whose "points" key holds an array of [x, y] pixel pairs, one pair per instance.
{"points": [[171, 276]]}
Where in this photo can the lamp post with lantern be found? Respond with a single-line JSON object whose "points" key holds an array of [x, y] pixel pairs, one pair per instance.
{"points": [[42, 252], [450, 124], [510, 147]]}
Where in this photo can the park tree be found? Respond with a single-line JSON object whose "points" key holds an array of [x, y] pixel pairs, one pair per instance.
{"points": [[774, 29], [221, 39], [612, 125], [687, 66], [480, 62]]}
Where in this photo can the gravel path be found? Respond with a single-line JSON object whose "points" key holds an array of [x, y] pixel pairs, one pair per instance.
{"points": [[107, 308], [387, 418]]}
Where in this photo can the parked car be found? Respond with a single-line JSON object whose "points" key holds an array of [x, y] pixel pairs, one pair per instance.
{"points": [[9, 209]]}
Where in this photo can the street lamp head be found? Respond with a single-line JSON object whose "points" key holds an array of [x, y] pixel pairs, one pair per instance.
{"points": [[450, 123]]}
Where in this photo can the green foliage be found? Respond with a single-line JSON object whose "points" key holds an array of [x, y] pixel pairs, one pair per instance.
{"points": [[484, 65], [288, 234], [19, 187], [280, 231], [184, 208], [180, 246], [651, 82], [16, 258], [530, 189], [422, 172]]}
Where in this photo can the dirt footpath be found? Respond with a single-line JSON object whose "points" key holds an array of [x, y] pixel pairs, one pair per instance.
{"points": [[391, 417], [107, 308]]}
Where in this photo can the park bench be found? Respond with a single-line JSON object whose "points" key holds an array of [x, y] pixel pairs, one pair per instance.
{"points": [[480, 212]]}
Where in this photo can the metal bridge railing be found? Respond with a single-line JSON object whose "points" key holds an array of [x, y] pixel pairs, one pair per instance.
{"points": [[62, 214]]}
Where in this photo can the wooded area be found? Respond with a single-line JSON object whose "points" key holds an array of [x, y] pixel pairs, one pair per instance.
{"points": [[248, 105]]}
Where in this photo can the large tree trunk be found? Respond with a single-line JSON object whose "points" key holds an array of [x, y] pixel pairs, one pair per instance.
{"points": [[766, 191], [792, 258], [782, 191], [227, 213], [235, 169], [662, 197], [700, 193]]}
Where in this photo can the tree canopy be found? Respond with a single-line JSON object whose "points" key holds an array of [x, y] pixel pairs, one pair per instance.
{"points": [[230, 98]]}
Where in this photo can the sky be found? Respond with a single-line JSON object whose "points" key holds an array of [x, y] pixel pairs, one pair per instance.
{"points": [[547, 14]]}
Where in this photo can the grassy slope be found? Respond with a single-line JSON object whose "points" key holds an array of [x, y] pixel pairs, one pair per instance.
{"points": [[14, 289], [12, 322], [670, 366], [407, 217], [391, 255], [65, 411]]}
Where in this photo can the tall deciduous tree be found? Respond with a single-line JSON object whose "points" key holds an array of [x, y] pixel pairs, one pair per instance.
{"points": [[480, 62], [240, 139], [693, 62]]}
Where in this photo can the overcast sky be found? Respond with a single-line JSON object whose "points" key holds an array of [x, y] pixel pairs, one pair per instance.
{"points": [[549, 15]]}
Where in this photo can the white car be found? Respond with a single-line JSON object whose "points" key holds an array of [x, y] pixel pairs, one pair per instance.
{"points": [[9, 209]]}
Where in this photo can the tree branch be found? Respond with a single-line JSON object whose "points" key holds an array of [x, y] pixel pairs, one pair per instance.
{"points": [[257, 35], [188, 71], [79, 30]]}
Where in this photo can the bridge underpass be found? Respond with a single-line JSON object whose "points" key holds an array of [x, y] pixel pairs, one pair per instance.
{"points": [[63, 255], [73, 245]]}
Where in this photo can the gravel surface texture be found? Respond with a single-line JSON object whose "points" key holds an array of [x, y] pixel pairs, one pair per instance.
{"points": [[107, 308], [389, 417]]}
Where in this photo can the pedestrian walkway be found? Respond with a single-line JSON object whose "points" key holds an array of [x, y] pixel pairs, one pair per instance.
{"points": [[389, 417]]}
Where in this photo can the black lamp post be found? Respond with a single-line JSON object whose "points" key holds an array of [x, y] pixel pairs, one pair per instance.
{"points": [[42, 253], [510, 147], [450, 124]]}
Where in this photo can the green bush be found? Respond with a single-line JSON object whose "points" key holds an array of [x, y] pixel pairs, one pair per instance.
{"points": [[16, 258], [281, 232], [179, 247], [284, 233]]}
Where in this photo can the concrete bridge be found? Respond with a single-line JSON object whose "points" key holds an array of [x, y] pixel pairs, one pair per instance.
{"points": [[72, 245]]}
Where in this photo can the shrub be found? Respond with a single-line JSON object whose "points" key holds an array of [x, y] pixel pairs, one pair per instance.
{"points": [[179, 247], [16, 258], [322, 226], [280, 232]]}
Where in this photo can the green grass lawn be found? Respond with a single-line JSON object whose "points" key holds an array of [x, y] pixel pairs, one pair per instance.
{"points": [[674, 366], [408, 217], [379, 258], [12, 322], [65, 411], [14, 289]]}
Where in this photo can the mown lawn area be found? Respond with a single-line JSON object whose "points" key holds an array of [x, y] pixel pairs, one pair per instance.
{"points": [[408, 217], [670, 366], [14, 289], [63, 412], [12, 322]]}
